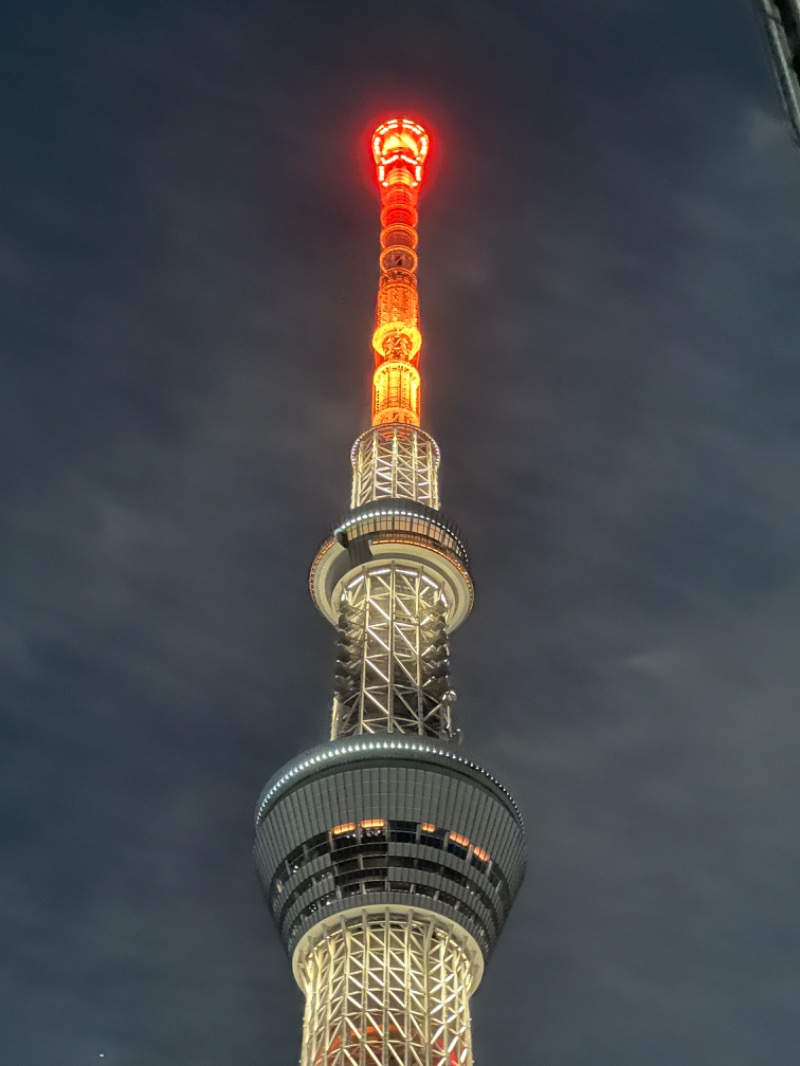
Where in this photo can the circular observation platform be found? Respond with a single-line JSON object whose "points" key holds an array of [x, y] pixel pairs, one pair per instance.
{"points": [[389, 820], [394, 530]]}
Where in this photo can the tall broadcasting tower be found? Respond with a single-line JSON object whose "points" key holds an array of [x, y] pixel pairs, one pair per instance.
{"points": [[390, 859]]}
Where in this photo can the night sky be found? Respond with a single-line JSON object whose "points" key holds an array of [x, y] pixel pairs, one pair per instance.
{"points": [[610, 253]]}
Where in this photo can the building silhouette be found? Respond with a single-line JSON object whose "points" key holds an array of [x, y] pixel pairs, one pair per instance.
{"points": [[389, 858], [782, 22]]}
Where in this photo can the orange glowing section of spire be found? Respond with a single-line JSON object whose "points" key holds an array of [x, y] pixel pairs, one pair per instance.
{"points": [[399, 148]]}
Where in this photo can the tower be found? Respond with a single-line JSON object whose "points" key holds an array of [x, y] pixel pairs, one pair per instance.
{"points": [[782, 22], [388, 857]]}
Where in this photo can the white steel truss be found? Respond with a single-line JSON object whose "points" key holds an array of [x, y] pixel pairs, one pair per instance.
{"points": [[387, 989], [392, 671], [398, 461]]}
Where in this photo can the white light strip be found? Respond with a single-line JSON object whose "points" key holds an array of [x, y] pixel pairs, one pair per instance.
{"points": [[380, 745], [403, 514]]}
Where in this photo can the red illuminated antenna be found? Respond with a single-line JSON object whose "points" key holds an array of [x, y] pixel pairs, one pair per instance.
{"points": [[399, 148]]}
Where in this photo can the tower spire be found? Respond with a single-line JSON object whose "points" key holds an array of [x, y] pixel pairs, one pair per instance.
{"points": [[389, 859], [399, 148]]}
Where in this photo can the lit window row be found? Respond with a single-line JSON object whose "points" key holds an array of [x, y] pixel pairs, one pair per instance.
{"points": [[406, 831], [354, 847]]}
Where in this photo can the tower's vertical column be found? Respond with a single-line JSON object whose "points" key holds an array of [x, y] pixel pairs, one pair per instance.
{"points": [[387, 988]]}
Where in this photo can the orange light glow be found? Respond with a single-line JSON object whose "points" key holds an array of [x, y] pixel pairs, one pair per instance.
{"points": [[458, 839], [399, 149], [480, 853], [376, 1039], [426, 827], [348, 827], [373, 823]]}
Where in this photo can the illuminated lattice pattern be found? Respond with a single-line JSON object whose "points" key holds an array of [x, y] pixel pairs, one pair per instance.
{"points": [[392, 672], [395, 461], [387, 989]]}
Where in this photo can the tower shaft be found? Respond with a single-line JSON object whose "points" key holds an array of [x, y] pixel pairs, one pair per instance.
{"points": [[392, 673], [395, 461], [388, 988]]}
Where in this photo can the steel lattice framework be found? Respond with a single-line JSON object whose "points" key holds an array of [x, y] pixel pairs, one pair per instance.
{"points": [[387, 989], [388, 859], [392, 673], [396, 461]]}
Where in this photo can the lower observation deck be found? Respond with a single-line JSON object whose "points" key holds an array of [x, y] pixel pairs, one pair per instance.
{"points": [[388, 821]]}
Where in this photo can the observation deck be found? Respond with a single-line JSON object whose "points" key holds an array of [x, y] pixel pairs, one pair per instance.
{"points": [[402, 530], [388, 821]]}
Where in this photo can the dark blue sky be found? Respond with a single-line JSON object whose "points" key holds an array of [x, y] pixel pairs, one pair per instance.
{"points": [[610, 249]]}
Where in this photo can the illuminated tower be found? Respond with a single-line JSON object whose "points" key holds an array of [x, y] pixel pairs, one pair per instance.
{"points": [[782, 22], [388, 857]]}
